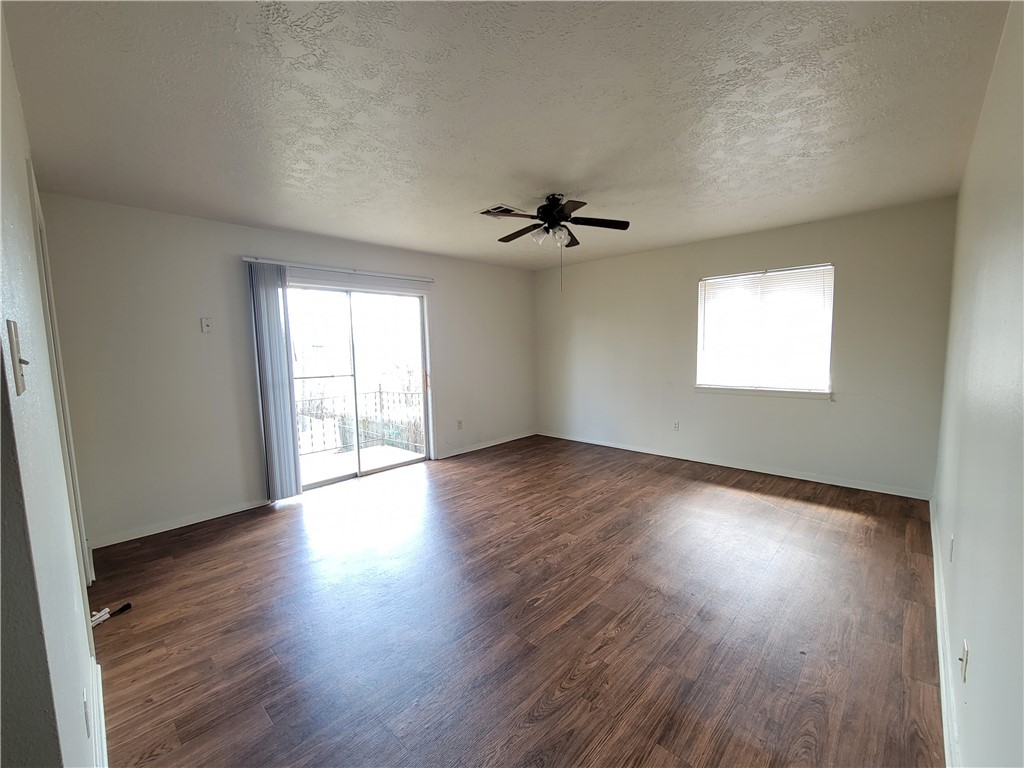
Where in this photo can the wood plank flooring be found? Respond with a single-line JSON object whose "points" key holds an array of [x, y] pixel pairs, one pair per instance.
{"points": [[542, 603]]}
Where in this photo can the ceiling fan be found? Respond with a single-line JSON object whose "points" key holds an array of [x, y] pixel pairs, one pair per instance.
{"points": [[552, 218]]}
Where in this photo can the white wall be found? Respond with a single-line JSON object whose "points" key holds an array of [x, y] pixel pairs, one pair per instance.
{"points": [[617, 353], [166, 420], [44, 501], [978, 493]]}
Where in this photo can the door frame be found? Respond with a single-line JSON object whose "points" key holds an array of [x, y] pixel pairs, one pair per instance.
{"points": [[372, 286], [59, 385]]}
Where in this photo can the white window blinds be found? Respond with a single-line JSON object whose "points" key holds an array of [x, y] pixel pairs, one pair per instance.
{"points": [[766, 330]]}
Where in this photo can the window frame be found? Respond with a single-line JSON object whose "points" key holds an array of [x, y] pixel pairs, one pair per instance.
{"points": [[811, 394]]}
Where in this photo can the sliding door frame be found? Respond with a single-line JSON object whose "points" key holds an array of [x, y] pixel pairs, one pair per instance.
{"points": [[423, 367], [355, 387], [351, 287]]}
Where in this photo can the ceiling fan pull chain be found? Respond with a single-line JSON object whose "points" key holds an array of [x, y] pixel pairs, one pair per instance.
{"points": [[561, 270]]}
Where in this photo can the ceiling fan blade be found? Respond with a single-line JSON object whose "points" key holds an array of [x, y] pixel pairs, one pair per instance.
{"points": [[509, 215], [520, 233], [572, 238], [606, 223], [570, 206]]}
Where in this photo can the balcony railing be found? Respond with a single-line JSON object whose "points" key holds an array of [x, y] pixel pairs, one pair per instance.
{"points": [[326, 422]]}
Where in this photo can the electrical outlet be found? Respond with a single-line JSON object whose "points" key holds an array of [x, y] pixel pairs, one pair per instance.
{"points": [[675, 426], [963, 661], [458, 425], [205, 324]]}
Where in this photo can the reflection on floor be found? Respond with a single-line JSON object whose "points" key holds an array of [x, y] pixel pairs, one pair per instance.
{"points": [[328, 465]]}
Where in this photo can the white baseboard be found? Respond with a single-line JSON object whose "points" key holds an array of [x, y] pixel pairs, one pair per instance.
{"points": [[845, 482], [105, 540], [98, 722], [95, 542], [947, 694], [488, 444]]}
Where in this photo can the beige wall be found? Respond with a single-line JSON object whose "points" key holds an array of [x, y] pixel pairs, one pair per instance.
{"points": [[617, 353], [978, 495], [34, 720], [165, 418]]}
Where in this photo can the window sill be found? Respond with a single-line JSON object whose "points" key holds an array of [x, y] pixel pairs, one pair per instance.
{"points": [[805, 394]]}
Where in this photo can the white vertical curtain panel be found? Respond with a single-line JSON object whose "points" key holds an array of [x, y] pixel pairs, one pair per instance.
{"points": [[767, 330], [269, 284]]}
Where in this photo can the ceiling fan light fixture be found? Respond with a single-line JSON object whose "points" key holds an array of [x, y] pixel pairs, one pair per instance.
{"points": [[551, 219]]}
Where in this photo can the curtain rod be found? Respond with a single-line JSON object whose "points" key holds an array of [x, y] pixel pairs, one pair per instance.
{"points": [[344, 270], [768, 271]]}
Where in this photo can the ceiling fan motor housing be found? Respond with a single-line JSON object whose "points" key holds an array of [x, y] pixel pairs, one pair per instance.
{"points": [[550, 210]]}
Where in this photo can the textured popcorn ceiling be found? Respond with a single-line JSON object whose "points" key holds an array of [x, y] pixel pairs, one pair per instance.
{"points": [[394, 123]]}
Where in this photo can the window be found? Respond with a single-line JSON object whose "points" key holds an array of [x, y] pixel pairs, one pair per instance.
{"points": [[766, 330]]}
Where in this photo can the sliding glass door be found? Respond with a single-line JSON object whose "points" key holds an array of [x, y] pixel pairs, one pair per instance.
{"points": [[358, 381], [388, 335], [325, 396]]}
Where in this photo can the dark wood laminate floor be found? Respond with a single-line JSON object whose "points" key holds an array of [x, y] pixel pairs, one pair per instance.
{"points": [[542, 602]]}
